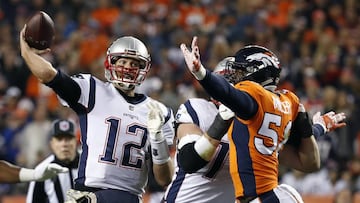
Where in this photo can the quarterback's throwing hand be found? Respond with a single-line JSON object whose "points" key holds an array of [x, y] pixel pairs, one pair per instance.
{"points": [[192, 59], [330, 121]]}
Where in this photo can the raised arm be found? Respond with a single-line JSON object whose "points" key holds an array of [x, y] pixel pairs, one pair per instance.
{"points": [[217, 87], [41, 68]]}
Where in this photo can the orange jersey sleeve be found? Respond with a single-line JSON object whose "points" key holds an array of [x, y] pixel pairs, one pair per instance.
{"points": [[255, 143]]}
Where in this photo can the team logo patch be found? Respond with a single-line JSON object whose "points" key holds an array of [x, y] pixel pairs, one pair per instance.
{"points": [[64, 125]]}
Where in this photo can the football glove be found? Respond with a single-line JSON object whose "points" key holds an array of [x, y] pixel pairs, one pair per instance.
{"points": [[330, 121], [41, 173], [159, 148], [155, 120], [75, 196]]}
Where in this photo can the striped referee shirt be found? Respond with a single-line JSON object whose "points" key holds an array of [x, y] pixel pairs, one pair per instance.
{"points": [[53, 190]]}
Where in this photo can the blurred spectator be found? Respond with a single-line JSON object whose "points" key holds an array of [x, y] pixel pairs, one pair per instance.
{"points": [[34, 138], [39, 92], [12, 67]]}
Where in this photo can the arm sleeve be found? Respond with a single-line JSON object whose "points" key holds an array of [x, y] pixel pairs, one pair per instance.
{"points": [[238, 101], [189, 160], [66, 88]]}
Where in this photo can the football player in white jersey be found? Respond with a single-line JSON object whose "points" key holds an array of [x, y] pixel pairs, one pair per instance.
{"points": [[211, 183], [121, 130]]}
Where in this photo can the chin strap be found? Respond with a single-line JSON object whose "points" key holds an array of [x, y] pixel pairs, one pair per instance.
{"points": [[124, 86]]}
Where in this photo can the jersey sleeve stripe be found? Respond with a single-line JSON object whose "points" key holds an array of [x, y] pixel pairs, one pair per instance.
{"points": [[192, 112], [168, 115], [92, 92]]}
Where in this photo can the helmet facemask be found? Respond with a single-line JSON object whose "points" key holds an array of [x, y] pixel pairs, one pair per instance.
{"points": [[127, 77]]}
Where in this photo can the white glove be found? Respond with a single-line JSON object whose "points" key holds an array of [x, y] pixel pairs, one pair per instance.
{"points": [[41, 173], [330, 121], [155, 121], [74, 196], [192, 59], [225, 112]]}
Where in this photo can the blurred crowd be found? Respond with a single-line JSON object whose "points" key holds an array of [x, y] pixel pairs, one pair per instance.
{"points": [[317, 42]]}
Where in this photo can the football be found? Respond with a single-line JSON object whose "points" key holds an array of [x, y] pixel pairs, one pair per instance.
{"points": [[40, 31]]}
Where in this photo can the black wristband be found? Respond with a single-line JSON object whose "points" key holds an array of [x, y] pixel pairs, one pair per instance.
{"points": [[219, 127], [302, 125]]}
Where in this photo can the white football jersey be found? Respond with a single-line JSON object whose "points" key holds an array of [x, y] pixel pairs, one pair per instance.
{"points": [[211, 184], [115, 144]]}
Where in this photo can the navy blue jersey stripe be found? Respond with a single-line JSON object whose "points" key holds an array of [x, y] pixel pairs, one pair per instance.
{"points": [[218, 164], [168, 115], [192, 112], [175, 187], [92, 91], [80, 181], [269, 197], [240, 136]]}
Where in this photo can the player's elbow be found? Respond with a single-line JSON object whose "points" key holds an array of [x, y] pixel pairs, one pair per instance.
{"points": [[313, 167], [310, 165], [163, 181], [189, 159]]}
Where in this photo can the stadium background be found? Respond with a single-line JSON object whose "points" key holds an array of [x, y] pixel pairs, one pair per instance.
{"points": [[317, 42]]}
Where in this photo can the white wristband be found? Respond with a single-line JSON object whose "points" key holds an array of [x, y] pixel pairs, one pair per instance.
{"points": [[204, 148], [159, 151], [26, 175], [199, 75]]}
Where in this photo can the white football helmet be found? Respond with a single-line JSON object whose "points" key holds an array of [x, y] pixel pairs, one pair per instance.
{"points": [[222, 67], [126, 78]]}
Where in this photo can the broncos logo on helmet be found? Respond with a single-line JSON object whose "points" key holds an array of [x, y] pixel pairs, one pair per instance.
{"points": [[255, 63]]}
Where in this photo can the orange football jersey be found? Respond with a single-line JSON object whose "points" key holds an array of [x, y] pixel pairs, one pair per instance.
{"points": [[255, 143]]}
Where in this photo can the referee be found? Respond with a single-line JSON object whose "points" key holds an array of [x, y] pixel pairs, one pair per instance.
{"points": [[63, 144]]}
